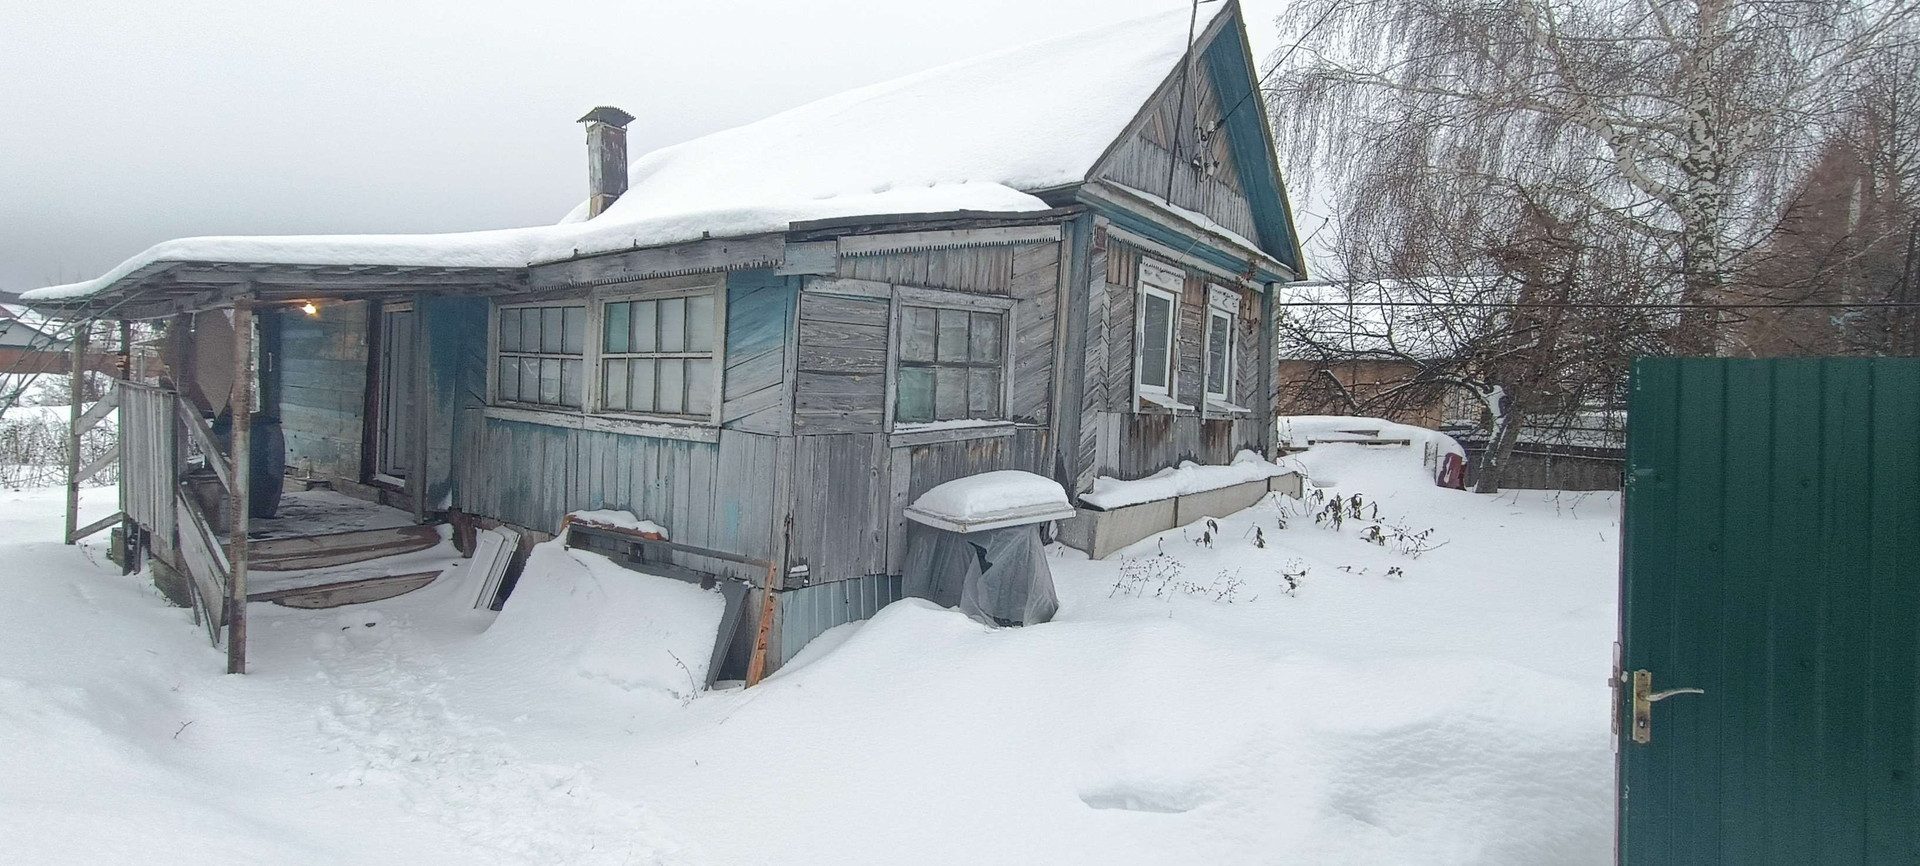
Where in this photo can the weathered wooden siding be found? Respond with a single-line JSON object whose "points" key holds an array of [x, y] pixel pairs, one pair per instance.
{"points": [[1119, 441], [452, 389], [1123, 274], [841, 380], [843, 338], [1093, 397], [986, 270], [1190, 336], [1166, 141], [842, 503], [760, 311], [1035, 287], [322, 368], [725, 496]]}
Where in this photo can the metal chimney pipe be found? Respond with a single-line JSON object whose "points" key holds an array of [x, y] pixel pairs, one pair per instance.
{"points": [[606, 157]]}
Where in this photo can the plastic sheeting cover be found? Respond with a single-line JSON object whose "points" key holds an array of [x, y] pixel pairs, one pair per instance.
{"points": [[996, 576]]}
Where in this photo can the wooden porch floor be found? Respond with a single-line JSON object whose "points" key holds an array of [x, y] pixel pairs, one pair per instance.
{"points": [[324, 512]]}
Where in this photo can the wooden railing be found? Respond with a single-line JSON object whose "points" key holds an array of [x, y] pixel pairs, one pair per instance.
{"points": [[156, 428], [78, 473]]}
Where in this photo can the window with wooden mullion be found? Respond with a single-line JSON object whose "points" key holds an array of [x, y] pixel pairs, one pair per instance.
{"points": [[656, 356], [952, 365], [541, 355]]}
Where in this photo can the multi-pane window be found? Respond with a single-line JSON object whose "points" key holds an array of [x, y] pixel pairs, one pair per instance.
{"points": [[541, 358], [1160, 286], [952, 365], [1221, 306], [656, 356]]}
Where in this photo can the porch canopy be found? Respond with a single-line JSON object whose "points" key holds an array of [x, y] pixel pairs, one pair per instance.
{"points": [[165, 288]]}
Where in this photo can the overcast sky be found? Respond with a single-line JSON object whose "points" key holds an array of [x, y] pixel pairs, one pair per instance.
{"points": [[125, 124]]}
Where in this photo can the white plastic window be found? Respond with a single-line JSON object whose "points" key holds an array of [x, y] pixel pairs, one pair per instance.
{"points": [[1159, 319]]}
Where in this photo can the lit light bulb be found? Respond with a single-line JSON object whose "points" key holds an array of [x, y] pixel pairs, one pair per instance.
{"points": [[310, 309]]}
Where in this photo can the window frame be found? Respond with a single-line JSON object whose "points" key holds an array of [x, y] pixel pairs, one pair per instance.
{"points": [[494, 353], [1222, 303], [717, 354], [591, 413], [938, 299], [1143, 289]]}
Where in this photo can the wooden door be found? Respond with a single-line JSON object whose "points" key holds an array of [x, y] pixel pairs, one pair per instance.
{"points": [[396, 422]]}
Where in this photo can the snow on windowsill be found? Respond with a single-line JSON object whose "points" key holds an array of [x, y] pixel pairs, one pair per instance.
{"points": [[1189, 477], [1227, 408]]}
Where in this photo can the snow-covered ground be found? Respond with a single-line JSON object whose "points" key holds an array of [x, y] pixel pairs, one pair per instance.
{"points": [[1449, 707]]}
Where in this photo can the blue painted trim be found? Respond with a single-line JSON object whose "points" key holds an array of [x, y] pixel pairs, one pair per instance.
{"points": [[1155, 230], [1253, 155]]}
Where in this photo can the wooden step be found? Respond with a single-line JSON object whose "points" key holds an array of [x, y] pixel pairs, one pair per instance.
{"points": [[339, 548], [346, 592]]}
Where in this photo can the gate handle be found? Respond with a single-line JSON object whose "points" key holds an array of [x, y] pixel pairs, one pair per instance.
{"points": [[1644, 698], [1663, 695]]}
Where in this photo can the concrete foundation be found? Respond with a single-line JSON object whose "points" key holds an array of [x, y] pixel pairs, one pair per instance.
{"points": [[1100, 533]]}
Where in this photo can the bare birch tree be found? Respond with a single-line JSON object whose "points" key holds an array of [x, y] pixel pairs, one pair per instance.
{"points": [[1678, 121], [1545, 175]]}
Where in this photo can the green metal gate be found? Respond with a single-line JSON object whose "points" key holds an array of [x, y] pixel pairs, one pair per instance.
{"points": [[1772, 559]]}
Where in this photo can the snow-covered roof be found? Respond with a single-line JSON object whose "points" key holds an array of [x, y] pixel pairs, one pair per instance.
{"points": [[981, 134]]}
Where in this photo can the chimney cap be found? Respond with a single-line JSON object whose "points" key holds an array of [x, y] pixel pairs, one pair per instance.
{"points": [[607, 114]]}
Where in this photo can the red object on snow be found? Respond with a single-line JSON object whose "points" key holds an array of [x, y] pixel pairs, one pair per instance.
{"points": [[1453, 472]]}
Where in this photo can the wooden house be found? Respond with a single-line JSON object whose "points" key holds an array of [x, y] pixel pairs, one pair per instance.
{"points": [[1061, 258]]}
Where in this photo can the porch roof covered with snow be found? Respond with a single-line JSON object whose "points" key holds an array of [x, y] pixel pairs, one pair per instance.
{"points": [[1011, 133]]}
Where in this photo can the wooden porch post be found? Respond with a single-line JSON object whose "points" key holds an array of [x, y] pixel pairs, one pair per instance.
{"points": [[78, 385], [130, 550], [240, 408]]}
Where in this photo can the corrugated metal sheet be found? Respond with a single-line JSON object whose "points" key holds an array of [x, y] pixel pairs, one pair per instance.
{"points": [[1772, 557], [807, 612]]}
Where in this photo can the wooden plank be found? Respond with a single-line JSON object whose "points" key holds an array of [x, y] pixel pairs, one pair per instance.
{"points": [[862, 311], [94, 466], [818, 336], [348, 592], [835, 392], [205, 567], [240, 407], [851, 287], [97, 411], [812, 257], [339, 548], [765, 400], [755, 372], [203, 437], [865, 245], [110, 520], [76, 383], [704, 256]]}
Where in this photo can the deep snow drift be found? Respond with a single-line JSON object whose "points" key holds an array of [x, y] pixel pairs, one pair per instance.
{"points": [[1445, 707]]}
